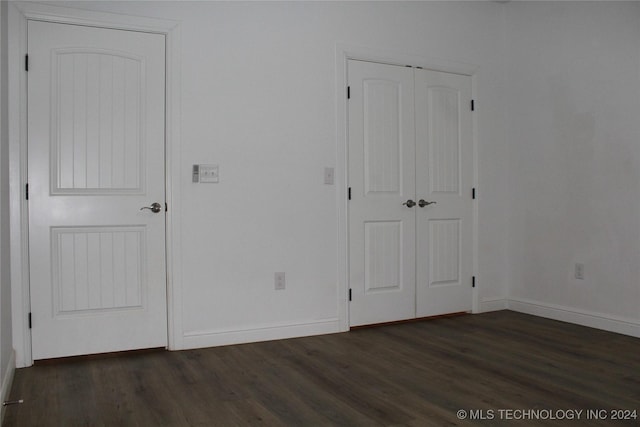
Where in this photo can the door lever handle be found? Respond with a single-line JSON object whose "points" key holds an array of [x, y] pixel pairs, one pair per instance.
{"points": [[155, 207], [422, 203], [409, 203]]}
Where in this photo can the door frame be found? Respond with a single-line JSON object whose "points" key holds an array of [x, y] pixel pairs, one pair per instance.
{"points": [[344, 53], [19, 14]]}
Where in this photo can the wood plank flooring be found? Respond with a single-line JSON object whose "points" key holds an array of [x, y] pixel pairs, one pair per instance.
{"points": [[414, 374]]}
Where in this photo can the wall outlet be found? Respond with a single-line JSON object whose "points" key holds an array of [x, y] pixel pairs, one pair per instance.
{"points": [[279, 281], [579, 271]]}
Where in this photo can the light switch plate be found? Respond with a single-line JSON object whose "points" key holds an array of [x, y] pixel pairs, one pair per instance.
{"points": [[196, 173], [328, 176], [279, 279], [209, 174]]}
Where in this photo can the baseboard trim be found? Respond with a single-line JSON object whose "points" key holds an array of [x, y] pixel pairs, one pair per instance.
{"points": [[493, 304], [213, 338], [579, 317], [200, 339], [7, 382]]}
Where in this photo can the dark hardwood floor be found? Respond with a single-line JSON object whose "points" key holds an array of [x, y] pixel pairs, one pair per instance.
{"points": [[414, 374]]}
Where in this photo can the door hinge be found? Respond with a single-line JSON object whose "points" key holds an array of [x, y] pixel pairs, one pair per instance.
{"points": [[26, 62], [348, 92], [349, 294], [473, 105], [30, 324], [349, 193], [473, 193], [473, 281], [26, 191]]}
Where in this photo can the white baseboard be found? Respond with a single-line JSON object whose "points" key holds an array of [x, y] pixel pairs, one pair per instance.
{"points": [[580, 317], [493, 304], [200, 339], [213, 338], [7, 382]]}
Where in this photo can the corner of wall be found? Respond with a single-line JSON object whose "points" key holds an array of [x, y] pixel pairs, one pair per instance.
{"points": [[7, 354], [591, 319], [7, 382], [493, 304]]}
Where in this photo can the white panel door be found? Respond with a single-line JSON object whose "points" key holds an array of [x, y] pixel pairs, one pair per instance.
{"points": [[410, 139], [444, 155], [381, 178], [96, 157]]}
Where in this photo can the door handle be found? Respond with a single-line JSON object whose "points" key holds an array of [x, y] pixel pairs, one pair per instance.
{"points": [[155, 207], [422, 203], [409, 203]]}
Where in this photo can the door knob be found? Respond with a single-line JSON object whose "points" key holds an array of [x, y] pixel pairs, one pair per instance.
{"points": [[422, 203], [409, 203], [155, 207]]}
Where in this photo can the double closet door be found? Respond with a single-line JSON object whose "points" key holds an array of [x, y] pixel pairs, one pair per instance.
{"points": [[410, 179]]}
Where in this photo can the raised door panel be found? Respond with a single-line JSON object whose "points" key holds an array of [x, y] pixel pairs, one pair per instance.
{"points": [[444, 137], [382, 136], [444, 252], [98, 269], [383, 256], [97, 105]]}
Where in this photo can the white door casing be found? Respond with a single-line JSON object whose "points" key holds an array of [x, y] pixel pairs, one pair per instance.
{"points": [[95, 157], [410, 134]]}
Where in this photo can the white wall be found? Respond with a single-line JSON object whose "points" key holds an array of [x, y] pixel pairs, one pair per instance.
{"points": [[258, 98], [573, 97], [557, 91], [6, 346]]}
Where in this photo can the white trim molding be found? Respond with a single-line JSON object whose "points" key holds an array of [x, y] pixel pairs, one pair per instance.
{"points": [[19, 14], [211, 338], [7, 382], [493, 304], [591, 319]]}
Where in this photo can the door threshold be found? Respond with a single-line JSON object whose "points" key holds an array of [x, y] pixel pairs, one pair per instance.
{"points": [[97, 356], [417, 319]]}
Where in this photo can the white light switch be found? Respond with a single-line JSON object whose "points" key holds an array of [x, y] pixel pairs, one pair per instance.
{"points": [[328, 176], [279, 279], [209, 173]]}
